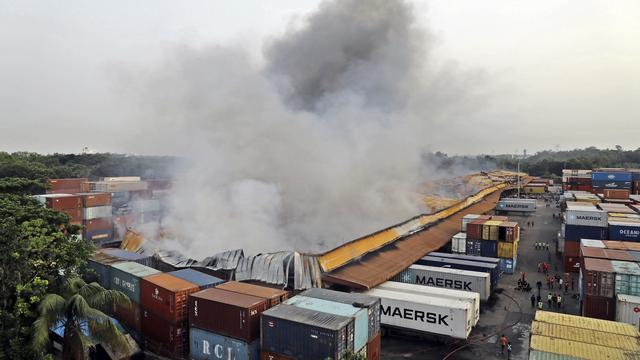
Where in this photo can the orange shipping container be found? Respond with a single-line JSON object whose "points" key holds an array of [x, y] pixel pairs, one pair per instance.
{"points": [[166, 296], [72, 185], [98, 224], [64, 202], [95, 199], [275, 296]]}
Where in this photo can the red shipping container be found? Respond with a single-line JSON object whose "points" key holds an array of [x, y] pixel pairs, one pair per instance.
{"points": [[512, 231], [274, 296], [636, 187], [227, 313], [129, 315], [164, 337], [622, 255], [619, 194], [98, 224], [599, 307], [499, 218], [166, 296], [95, 199], [474, 229], [373, 348], [268, 355], [572, 248], [72, 185], [571, 264], [597, 277], [64, 202], [75, 215], [615, 245]]}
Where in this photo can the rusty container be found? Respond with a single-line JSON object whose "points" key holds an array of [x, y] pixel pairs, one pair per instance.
{"points": [[164, 337], [95, 199], [597, 277], [166, 296], [374, 348], [71, 185]]}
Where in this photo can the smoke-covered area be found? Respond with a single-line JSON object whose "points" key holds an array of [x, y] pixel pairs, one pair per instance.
{"points": [[319, 143]]}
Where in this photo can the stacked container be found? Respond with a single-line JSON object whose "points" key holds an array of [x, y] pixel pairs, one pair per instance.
{"points": [[624, 230], [65, 186], [225, 322], [204, 281], [597, 289], [628, 309], [459, 243], [473, 281], [495, 238], [582, 221], [492, 269], [273, 296], [66, 203], [601, 180], [97, 217]]}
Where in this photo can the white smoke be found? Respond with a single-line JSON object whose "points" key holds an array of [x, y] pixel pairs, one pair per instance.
{"points": [[320, 144]]}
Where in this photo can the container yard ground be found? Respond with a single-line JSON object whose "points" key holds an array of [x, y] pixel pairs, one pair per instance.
{"points": [[501, 312]]}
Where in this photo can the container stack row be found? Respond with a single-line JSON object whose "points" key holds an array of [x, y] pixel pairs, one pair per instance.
{"points": [[614, 184], [495, 237]]}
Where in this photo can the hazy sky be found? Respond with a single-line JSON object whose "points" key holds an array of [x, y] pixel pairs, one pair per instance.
{"points": [[553, 72]]}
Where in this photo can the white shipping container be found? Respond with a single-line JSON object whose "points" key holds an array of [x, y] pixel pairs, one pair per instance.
{"points": [[448, 278], [459, 243], [97, 212], [120, 186], [628, 309], [472, 298], [122, 178], [593, 243], [524, 205], [467, 219], [584, 217], [423, 313]]}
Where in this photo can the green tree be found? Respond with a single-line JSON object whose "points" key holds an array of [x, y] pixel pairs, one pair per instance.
{"points": [[79, 307]]}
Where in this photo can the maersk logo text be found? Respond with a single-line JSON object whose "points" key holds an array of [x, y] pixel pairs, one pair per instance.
{"points": [[588, 218], [446, 283], [415, 315]]}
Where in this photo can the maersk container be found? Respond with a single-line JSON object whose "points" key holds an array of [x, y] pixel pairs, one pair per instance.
{"points": [[472, 297], [491, 269], [360, 316], [125, 277], [625, 231], [628, 309], [593, 217], [508, 266], [489, 248], [372, 304], [474, 247], [627, 278], [484, 259], [206, 345], [305, 334], [448, 278], [579, 232], [203, 280], [424, 314], [522, 205], [611, 176], [459, 243]]}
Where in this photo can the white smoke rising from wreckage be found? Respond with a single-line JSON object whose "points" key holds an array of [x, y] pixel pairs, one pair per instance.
{"points": [[321, 144]]}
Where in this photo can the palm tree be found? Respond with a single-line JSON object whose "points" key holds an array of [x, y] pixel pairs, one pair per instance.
{"points": [[79, 311]]}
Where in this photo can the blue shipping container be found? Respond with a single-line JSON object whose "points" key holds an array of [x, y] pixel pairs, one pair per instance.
{"points": [[635, 175], [577, 232], [489, 248], [360, 315], [206, 345], [492, 269], [490, 260], [508, 266], [597, 184], [204, 281], [474, 247], [611, 176], [624, 231]]}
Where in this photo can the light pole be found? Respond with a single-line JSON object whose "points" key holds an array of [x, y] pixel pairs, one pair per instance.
{"points": [[518, 179]]}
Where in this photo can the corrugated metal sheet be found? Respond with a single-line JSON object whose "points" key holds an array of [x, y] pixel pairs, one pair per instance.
{"points": [[587, 323], [542, 355], [580, 349], [286, 268], [585, 335], [376, 268]]}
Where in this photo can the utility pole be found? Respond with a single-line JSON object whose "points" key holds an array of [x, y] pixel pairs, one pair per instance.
{"points": [[518, 179]]}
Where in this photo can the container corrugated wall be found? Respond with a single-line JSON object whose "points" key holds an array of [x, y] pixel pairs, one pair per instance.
{"points": [[542, 355], [586, 323], [205, 345], [628, 310], [577, 349], [589, 336], [125, 277]]}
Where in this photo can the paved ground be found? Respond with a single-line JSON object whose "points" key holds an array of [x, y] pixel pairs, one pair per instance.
{"points": [[509, 313]]}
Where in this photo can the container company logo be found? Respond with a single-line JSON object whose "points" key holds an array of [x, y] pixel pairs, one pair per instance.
{"points": [[445, 283], [219, 351], [156, 294], [415, 315], [611, 177], [588, 217], [630, 233]]}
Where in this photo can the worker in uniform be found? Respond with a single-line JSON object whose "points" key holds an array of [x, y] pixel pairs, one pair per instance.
{"points": [[559, 301], [533, 300], [549, 297]]}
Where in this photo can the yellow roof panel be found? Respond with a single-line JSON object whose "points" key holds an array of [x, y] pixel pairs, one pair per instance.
{"points": [[587, 323], [586, 336], [580, 349]]}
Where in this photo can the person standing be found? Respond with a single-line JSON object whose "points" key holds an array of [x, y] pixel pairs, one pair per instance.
{"points": [[509, 350], [549, 300], [554, 299], [551, 281], [559, 301], [503, 343], [523, 276], [533, 300], [540, 304], [539, 286], [548, 283], [566, 287], [560, 284]]}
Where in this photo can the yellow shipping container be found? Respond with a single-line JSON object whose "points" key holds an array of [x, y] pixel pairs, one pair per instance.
{"points": [[507, 250], [534, 189], [580, 349], [588, 336], [587, 323], [490, 230]]}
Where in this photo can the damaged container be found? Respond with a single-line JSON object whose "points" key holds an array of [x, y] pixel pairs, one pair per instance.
{"points": [[273, 296]]}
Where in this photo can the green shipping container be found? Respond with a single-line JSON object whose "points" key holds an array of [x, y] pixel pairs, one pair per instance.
{"points": [[125, 277]]}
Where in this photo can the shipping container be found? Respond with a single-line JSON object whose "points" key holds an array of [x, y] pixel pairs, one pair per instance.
{"points": [[467, 219], [628, 309], [572, 248], [372, 304], [97, 212], [374, 348], [305, 334], [205, 345], [611, 176], [474, 247], [204, 281], [520, 205], [269, 355], [166, 296], [621, 255], [61, 202], [593, 243], [598, 277], [100, 262], [95, 199], [620, 194], [627, 277], [616, 208], [97, 225], [490, 230], [576, 349], [508, 266], [571, 264], [591, 336], [599, 184], [583, 217], [273, 296], [474, 229], [492, 269], [360, 315], [424, 314], [471, 297], [543, 355], [128, 256], [72, 185], [599, 307], [507, 250], [125, 277], [489, 248], [625, 231], [164, 337], [129, 315], [117, 186], [578, 232], [585, 323], [484, 259], [509, 232], [448, 278], [227, 313], [459, 243]]}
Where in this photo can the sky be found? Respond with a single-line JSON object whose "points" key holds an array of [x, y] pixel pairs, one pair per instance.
{"points": [[548, 73]]}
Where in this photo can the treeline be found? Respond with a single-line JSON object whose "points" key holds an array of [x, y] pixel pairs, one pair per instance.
{"points": [[26, 172]]}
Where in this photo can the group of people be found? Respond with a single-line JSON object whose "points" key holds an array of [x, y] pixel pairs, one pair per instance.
{"points": [[542, 246], [505, 344], [530, 223], [554, 300], [543, 267]]}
